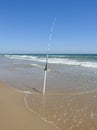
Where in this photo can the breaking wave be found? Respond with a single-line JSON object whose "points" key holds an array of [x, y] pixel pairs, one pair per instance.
{"points": [[52, 60]]}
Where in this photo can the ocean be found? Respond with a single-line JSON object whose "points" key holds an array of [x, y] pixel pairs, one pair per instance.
{"points": [[69, 71], [70, 100]]}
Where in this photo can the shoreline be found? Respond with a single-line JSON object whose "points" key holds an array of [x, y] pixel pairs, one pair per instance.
{"points": [[14, 113], [70, 101]]}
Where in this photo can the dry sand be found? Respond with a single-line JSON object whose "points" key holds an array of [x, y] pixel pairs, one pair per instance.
{"points": [[14, 115]]}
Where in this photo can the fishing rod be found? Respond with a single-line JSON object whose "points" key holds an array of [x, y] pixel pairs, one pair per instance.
{"points": [[47, 56]]}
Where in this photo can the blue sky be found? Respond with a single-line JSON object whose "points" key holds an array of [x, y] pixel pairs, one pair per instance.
{"points": [[25, 26]]}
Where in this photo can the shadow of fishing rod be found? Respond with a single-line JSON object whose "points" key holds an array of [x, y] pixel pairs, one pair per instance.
{"points": [[34, 89]]}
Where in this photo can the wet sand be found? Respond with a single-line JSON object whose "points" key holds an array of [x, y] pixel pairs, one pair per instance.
{"points": [[14, 115], [63, 110], [68, 110]]}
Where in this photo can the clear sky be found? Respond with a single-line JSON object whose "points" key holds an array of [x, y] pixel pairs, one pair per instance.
{"points": [[25, 26]]}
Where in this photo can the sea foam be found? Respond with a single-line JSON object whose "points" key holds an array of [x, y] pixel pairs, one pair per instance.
{"points": [[53, 60]]}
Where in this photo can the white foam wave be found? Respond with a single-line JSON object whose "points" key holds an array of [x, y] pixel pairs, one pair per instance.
{"points": [[24, 92], [89, 64], [67, 61], [64, 61], [21, 57], [36, 65]]}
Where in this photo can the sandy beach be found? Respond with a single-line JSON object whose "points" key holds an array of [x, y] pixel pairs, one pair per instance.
{"points": [[14, 115]]}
